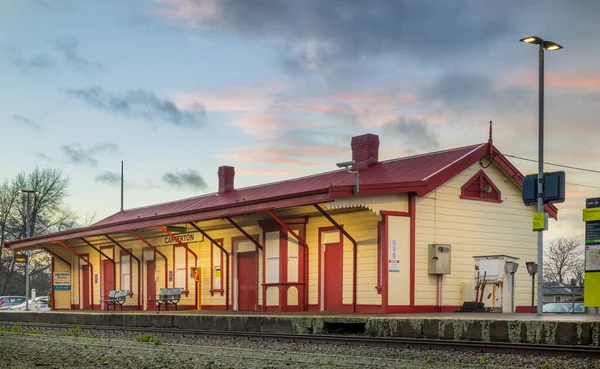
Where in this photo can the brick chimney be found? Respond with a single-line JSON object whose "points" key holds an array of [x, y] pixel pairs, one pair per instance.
{"points": [[365, 151], [226, 175]]}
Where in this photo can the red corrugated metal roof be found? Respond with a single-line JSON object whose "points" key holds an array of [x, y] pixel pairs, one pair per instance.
{"points": [[394, 172], [420, 174]]}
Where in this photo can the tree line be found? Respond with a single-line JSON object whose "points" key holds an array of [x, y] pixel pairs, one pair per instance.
{"points": [[47, 213]]}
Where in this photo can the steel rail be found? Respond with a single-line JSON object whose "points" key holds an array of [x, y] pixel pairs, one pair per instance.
{"points": [[411, 343]]}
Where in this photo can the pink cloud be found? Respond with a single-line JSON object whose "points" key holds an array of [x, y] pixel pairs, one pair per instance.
{"points": [[280, 156], [232, 99], [191, 12], [265, 172], [530, 78]]}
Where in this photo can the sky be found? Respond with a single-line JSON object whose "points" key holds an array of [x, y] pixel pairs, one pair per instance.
{"points": [[277, 88]]}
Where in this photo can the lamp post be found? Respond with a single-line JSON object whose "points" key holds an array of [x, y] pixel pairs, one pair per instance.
{"points": [[532, 270], [27, 252], [550, 46]]}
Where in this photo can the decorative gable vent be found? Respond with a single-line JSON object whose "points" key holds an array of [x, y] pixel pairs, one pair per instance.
{"points": [[480, 187]]}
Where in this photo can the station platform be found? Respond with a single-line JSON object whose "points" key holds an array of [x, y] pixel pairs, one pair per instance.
{"points": [[576, 329]]}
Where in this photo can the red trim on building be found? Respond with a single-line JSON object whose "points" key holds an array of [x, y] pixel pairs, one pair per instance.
{"points": [[86, 258], [396, 213], [412, 209], [475, 188], [384, 259], [379, 285], [52, 283], [518, 177], [526, 309]]}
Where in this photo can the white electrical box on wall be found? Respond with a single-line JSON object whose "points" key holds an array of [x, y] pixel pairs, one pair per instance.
{"points": [[440, 259], [493, 282]]}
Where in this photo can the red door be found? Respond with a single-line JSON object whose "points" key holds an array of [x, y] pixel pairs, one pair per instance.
{"points": [[150, 281], [108, 278], [333, 277], [247, 270], [85, 287]]}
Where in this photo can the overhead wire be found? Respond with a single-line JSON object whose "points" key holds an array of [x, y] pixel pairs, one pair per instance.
{"points": [[562, 166]]}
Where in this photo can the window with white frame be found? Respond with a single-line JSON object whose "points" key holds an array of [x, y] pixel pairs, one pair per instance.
{"points": [[180, 267], [272, 257], [217, 267], [556, 298], [126, 272]]}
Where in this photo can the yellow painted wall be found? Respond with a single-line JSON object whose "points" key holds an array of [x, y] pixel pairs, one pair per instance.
{"points": [[399, 282], [62, 299], [362, 226], [473, 228]]}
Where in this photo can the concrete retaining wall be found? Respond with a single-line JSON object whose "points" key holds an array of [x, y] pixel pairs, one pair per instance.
{"points": [[554, 332]]}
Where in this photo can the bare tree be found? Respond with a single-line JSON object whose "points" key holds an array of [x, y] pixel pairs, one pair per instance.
{"points": [[561, 257], [579, 271], [47, 213]]}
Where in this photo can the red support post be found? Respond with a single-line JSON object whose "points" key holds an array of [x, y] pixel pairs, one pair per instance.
{"points": [[354, 252], [157, 251], [55, 255], [63, 244], [244, 232], [226, 261], [139, 267]]}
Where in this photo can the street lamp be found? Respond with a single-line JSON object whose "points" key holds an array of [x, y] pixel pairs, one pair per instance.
{"points": [[27, 252], [550, 46], [532, 270]]}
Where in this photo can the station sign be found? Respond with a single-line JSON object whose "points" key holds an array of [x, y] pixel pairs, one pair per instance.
{"points": [[591, 281], [21, 258], [61, 281]]}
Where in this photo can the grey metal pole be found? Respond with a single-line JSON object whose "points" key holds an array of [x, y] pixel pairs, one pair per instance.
{"points": [[27, 253], [540, 207], [121, 185], [532, 291]]}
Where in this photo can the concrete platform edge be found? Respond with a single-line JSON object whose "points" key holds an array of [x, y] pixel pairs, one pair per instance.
{"points": [[551, 332]]}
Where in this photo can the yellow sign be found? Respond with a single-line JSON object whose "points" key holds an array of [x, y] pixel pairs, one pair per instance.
{"points": [[196, 273], [538, 221], [591, 215], [591, 286]]}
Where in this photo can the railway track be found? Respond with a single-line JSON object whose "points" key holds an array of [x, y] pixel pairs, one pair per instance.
{"points": [[420, 344]]}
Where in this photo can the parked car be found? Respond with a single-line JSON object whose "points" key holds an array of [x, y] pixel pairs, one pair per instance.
{"points": [[564, 307], [41, 304], [8, 301]]}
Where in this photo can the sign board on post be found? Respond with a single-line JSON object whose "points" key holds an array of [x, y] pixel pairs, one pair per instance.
{"points": [[394, 260], [62, 281], [591, 217], [540, 221]]}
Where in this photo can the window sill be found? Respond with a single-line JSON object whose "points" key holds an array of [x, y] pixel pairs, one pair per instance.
{"points": [[212, 292]]}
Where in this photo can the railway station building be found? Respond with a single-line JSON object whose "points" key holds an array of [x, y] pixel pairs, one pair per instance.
{"points": [[406, 235]]}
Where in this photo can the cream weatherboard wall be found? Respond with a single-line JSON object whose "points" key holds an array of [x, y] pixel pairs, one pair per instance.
{"points": [[362, 226], [473, 228]]}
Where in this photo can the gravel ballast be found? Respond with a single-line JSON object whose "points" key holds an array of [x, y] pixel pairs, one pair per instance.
{"points": [[60, 348]]}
